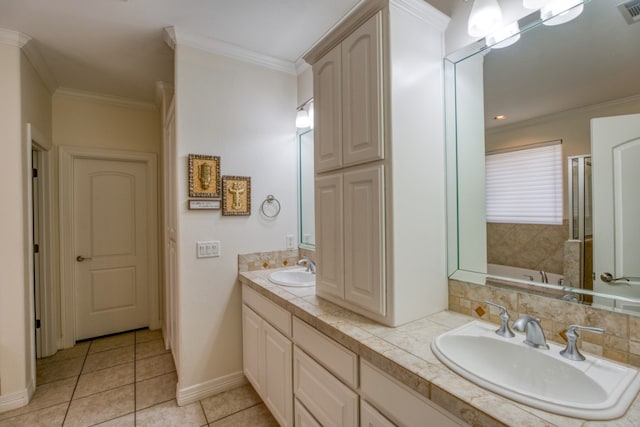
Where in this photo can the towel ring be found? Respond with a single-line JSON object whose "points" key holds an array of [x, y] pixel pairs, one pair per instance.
{"points": [[270, 207]]}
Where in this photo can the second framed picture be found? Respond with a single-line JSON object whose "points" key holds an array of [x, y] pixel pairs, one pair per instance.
{"points": [[236, 195]]}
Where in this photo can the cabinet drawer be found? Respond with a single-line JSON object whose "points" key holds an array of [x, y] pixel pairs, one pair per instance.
{"points": [[327, 399], [303, 418], [341, 362], [271, 312], [370, 417], [400, 404]]}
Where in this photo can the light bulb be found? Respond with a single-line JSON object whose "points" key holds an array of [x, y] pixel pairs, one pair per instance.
{"points": [[302, 119], [311, 114], [559, 12], [484, 18]]}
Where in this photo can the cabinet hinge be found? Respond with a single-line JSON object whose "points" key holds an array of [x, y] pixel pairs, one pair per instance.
{"points": [[36, 249], [35, 172], [37, 323]]}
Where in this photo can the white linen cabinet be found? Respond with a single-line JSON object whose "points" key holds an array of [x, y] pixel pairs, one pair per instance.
{"points": [[379, 161]]}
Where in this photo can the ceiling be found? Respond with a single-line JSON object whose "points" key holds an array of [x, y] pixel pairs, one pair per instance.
{"points": [[116, 47], [591, 60]]}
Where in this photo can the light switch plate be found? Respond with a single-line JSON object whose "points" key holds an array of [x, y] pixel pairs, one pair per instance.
{"points": [[290, 241], [208, 249]]}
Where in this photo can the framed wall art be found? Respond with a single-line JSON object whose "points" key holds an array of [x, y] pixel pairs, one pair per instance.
{"points": [[236, 195], [204, 176]]}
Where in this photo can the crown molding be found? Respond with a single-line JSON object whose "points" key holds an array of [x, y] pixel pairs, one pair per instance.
{"points": [[563, 114], [301, 66], [13, 38], [175, 36], [105, 99], [32, 53], [423, 11], [163, 90]]}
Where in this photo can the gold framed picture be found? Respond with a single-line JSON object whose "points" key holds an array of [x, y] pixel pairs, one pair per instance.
{"points": [[236, 195], [204, 176]]}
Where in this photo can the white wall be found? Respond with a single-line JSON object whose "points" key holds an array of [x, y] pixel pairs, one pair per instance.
{"points": [[305, 86], [245, 114]]}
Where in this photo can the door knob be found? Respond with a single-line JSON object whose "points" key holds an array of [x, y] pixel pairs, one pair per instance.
{"points": [[607, 277], [80, 258]]}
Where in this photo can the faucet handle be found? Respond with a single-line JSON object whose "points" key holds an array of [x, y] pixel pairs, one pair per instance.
{"points": [[503, 330], [571, 352]]}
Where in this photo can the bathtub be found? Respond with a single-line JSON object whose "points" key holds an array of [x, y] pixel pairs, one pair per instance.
{"points": [[522, 274]]}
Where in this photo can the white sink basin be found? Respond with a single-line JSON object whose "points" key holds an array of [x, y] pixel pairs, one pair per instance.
{"points": [[594, 389], [298, 278]]}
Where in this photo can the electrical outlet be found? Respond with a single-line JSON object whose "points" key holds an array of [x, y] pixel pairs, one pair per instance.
{"points": [[208, 249], [290, 241]]}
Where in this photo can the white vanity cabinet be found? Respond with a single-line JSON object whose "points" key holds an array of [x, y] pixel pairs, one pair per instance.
{"points": [[379, 161], [267, 353], [400, 405], [348, 91]]}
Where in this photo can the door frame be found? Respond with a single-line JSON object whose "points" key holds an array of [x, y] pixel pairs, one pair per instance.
{"points": [[67, 155], [34, 140]]}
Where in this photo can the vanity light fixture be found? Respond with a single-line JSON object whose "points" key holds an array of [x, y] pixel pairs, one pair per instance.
{"points": [[558, 12], [504, 37], [485, 18], [304, 116]]}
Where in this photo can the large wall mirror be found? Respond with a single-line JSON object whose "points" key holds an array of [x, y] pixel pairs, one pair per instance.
{"points": [[306, 213], [573, 89]]}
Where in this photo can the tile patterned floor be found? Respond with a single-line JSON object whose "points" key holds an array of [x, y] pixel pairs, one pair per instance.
{"points": [[126, 380]]}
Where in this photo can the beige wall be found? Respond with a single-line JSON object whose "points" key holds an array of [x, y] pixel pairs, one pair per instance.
{"points": [[91, 122], [246, 115], [13, 346], [572, 127]]}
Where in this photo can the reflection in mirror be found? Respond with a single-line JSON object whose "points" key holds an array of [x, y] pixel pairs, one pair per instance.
{"points": [[306, 217], [546, 87]]}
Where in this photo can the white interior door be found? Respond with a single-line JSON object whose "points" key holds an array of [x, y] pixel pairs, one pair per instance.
{"points": [[110, 245], [615, 148]]}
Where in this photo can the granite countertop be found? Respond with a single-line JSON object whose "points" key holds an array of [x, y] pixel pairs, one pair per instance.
{"points": [[405, 353]]}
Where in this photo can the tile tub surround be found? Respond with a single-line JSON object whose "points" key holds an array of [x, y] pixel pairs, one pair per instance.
{"points": [[620, 341], [405, 353]]}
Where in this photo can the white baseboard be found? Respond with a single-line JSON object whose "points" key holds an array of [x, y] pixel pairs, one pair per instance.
{"points": [[14, 400], [193, 393]]}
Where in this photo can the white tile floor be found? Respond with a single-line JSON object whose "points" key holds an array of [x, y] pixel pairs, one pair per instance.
{"points": [[126, 380]]}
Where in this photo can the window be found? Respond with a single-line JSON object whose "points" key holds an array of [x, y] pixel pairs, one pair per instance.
{"points": [[524, 186]]}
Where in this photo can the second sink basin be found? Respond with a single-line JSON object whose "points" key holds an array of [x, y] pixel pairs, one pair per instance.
{"points": [[298, 277], [594, 389]]}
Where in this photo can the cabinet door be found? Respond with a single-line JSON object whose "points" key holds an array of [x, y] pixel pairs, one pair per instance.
{"points": [[362, 106], [303, 417], [330, 402], [327, 102], [370, 417], [278, 386], [364, 282], [251, 354], [329, 239]]}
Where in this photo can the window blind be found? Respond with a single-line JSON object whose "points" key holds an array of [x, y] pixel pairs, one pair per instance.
{"points": [[525, 186]]}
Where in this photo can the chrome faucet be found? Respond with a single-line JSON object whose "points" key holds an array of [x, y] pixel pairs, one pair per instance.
{"points": [[535, 334], [572, 352], [504, 330], [311, 266]]}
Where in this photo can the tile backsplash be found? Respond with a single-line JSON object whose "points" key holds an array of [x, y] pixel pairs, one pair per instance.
{"points": [[273, 259], [620, 341]]}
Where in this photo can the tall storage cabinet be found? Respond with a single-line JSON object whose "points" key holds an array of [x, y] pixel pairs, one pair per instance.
{"points": [[379, 161]]}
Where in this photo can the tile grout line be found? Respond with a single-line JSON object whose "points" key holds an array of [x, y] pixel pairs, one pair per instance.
{"points": [[238, 411], [204, 412], [86, 355]]}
